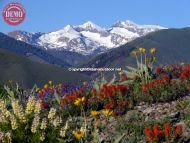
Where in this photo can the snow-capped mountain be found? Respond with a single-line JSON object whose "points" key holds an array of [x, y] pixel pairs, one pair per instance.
{"points": [[87, 38]]}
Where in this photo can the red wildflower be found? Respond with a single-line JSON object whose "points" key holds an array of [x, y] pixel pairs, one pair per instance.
{"points": [[158, 70], [157, 132], [149, 134], [178, 130], [124, 77], [44, 105], [167, 130]]}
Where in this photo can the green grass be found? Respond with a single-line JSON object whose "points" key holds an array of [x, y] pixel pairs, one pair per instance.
{"points": [[27, 73]]}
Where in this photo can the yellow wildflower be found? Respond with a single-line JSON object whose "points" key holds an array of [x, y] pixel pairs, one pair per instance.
{"points": [[107, 112], [14, 124], [18, 110], [64, 129], [52, 113], [135, 53], [142, 50], [35, 123], [79, 134], [42, 137], [152, 50], [121, 72], [46, 86], [37, 89], [2, 105], [7, 114], [94, 113], [79, 101], [8, 137], [50, 82], [30, 105], [43, 124], [56, 121], [37, 108]]}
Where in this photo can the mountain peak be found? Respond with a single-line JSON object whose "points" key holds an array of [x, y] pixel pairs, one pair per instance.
{"points": [[89, 25], [68, 28], [88, 38], [125, 24]]}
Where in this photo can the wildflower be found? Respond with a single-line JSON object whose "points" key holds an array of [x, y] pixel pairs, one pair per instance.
{"points": [[142, 50], [37, 108], [35, 123], [8, 137], [1, 136], [149, 134], [30, 105], [95, 113], [56, 121], [2, 105], [121, 72], [14, 124], [79, 134], [167, 130], [42, 137], [178, 130], [43, 124], [157, 131], [79, 101], [52, 113], [152, 50], [159, 70], [135, 53], [64, 129], [50, 82], [107, 112], [46, 86], [18, 110], [7, 114]]}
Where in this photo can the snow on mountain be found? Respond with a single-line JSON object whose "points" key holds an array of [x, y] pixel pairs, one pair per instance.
{"points": [[88, 38], [26, 37]]}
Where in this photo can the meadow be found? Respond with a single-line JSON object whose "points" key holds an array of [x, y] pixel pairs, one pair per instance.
{"points": [[145, 104]]}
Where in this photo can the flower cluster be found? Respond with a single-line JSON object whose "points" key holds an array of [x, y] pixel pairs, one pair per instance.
{"points": [[157, 134]]}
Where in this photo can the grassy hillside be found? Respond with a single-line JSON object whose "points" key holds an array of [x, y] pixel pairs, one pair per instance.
{"points": [[27, 73], [30, 51]]}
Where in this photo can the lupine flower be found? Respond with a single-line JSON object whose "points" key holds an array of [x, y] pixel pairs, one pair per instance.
{"points": [[42, 137], [8, 137], [43, 124], [30, 105], [14, 124], [18, 110], [35, 123], [2, 105], [56, 122], [64, 129], [52, 113], [37, 108]]}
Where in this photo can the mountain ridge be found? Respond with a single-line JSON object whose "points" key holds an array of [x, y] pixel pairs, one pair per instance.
{"points": [[88, 38]]}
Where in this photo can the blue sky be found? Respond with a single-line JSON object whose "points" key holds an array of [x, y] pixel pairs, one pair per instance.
{"points": [[50, 15]]}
